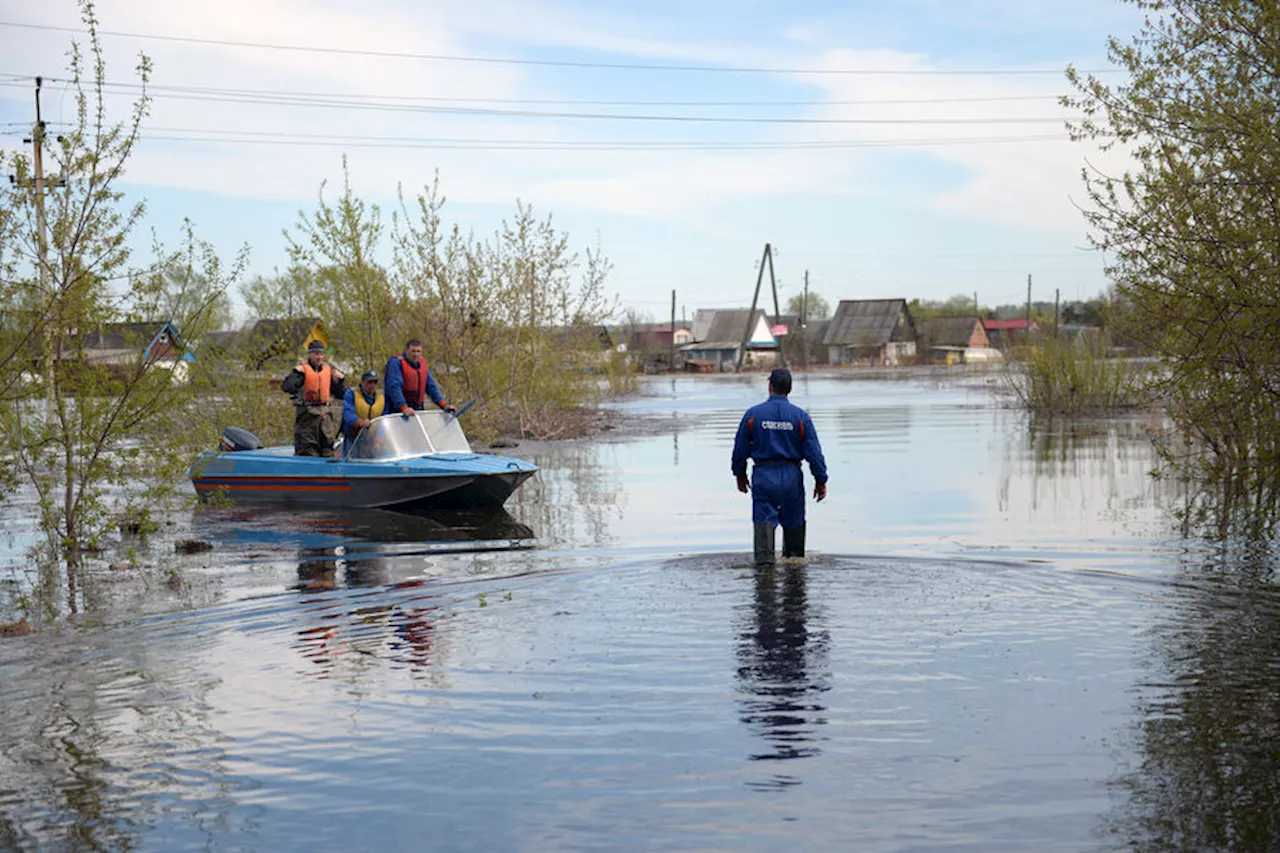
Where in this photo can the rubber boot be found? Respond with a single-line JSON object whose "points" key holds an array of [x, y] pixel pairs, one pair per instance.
{"points": [[793, 541], [764, 544]]}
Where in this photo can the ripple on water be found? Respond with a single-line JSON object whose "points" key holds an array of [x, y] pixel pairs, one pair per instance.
{"points": [[638, 704]]}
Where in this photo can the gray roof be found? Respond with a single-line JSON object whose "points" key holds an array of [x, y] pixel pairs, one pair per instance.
{"points": [[867, 322], [949, 331], [112, 336], [724, 328]]}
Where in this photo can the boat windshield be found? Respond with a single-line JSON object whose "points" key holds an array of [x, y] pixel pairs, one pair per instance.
{"points": [[397, 437]]}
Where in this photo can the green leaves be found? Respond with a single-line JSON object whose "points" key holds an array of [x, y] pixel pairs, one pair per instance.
{"points": [[1193, 227]]}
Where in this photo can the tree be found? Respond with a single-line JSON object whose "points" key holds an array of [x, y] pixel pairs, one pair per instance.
{"points": [[516, 314], [817, 308], [1192, 226], [188, 296], [338, 244], [87, 435], [282, 296]]}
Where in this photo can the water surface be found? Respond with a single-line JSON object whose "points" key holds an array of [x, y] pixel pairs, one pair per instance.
{"points": [[995, 644]]}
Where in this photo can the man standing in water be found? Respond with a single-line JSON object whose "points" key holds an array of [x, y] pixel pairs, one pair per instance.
{"points": [[778, 436]]}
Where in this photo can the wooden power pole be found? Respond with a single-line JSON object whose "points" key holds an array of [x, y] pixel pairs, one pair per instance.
{"points": [[671, 361], [766, 258], [1028, 308], [804, 319]]}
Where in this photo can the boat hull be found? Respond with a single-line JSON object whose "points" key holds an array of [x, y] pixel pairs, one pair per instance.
{"points": [[259, 479]]}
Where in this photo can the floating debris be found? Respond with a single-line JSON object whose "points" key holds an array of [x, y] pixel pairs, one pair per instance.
{"points": [[192, 546]]}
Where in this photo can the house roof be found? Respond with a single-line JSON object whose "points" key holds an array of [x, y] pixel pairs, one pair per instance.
{"points": [[1004, 325], [948, 331], [135, 337], [126, 335], [222, 340], [724, 329], [866, 322], [291, 331]]}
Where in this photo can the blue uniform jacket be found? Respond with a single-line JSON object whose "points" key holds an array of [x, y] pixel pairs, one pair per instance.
{"points": [[777, 431], [349, 416], [393, 386]]}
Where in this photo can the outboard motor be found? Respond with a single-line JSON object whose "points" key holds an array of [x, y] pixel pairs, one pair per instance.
{"points": [[235, 438]]}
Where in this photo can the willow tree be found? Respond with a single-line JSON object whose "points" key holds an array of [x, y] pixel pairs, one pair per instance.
{"points": [[86, 435], [1193, 226]]}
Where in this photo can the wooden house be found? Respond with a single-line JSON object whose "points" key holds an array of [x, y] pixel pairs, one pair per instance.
{"points": [[877, 332], [717, 338]]}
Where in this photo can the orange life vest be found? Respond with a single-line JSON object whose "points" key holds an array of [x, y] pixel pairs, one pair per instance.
{"points": [[414, 381], [316, 389]]}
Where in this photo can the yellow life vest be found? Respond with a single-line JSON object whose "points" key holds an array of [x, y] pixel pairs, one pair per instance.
{"points": [[369, 412]]}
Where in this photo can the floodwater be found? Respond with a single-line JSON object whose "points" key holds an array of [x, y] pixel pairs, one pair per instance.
{"points": [[996, 644]]}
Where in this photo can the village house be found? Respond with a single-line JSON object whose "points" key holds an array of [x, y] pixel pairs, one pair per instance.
{"points": [[717, 339], [878, 332], [119, 346], [955, 340], [1004, 334], [279, 344], [650, 345]]}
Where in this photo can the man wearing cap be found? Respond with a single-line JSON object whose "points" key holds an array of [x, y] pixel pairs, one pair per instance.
{"points": [[409, 383], [360, 407], [778, 436], [313, 385]]}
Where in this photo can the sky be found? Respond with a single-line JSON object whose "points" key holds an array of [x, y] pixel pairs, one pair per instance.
{"points": [[887, 148]]}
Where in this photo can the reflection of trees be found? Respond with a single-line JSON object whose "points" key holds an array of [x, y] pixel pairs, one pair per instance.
{"points": [[88, 751], [1060, 460], [1209, 777], [573, 499], [782, 668]]}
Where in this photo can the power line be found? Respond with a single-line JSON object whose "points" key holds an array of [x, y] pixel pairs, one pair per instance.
{"points": [[489, 112], [342, 98], [560, 63], [322, 140]]}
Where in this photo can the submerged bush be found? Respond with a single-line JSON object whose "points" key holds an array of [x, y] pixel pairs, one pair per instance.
{"points": [[1073, 378]]}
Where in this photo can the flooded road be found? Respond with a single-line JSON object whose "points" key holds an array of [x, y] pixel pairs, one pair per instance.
{"points": [[996, 644]]}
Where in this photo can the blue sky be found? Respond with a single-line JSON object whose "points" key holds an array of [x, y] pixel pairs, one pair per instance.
{"points": [[953, 178]]}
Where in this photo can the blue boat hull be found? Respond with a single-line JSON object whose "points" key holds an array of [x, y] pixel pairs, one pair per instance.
{"points": [[274, 477]]}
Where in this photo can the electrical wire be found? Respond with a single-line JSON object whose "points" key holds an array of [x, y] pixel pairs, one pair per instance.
{"points": [[487, 112], [558, 63], [342, 98], [447, 143]]}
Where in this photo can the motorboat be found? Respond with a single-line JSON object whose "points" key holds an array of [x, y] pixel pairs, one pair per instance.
{"points": [[422, 461]]}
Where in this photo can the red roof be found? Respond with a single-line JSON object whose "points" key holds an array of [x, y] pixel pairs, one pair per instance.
{"points": [[1004, 325]]}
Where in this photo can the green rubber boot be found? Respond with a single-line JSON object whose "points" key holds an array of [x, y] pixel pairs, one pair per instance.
{"points": [[765, 555], [793, 541]]}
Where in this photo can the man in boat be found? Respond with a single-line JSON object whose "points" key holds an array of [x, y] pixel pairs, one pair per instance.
{"points": [[313, 385], [361, 406], [778, 436], [408, 382]]}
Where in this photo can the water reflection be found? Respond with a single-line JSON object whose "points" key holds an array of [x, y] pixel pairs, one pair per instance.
{"points": [[359, 541], [783, 670], [1209, 772], [341, 636]]}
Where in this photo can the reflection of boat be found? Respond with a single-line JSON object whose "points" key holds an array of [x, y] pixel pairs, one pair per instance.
{"points": [[420, 462]]}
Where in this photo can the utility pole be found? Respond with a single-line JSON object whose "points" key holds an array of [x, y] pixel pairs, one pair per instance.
{"points": [[47, 357], [976, 312], [1028, 307], [804, 319], [1057, 295], [777, 310], [671, 362], [755, 299]]}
